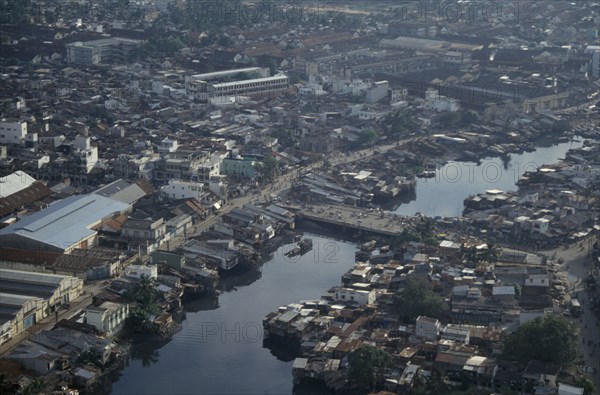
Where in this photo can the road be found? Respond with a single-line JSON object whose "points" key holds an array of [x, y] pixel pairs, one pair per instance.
{"points": [[83, 301], [279, 184], [576, 264]]}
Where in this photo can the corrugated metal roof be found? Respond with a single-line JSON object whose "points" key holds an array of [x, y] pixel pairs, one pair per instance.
{"points": [[14, 183], [65, 222], [122, 191], [31, 277]]}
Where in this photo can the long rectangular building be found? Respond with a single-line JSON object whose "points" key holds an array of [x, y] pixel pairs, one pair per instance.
{"points": [[105, 50], [223, 84], [17, 313], [63, 226]]}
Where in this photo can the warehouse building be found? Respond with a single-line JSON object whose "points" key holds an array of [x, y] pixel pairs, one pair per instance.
{"points": [[17, 313], [64, 226], [54, 289]]}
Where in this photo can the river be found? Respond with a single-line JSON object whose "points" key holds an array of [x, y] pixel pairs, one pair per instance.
{"points": [[444, 195], [220, 349]]}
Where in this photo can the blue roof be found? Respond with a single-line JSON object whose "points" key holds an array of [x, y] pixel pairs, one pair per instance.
{"points": [[66, 221]]}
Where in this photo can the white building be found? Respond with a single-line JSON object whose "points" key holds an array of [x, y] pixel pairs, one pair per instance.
{"points": [[106, 50], [200, 86], [108, 318], [362, 297], [377, 91], [140, 271], [12, 132], [457, 333], [177, 189], [428, 328], [167, 145], [437, 102], [88, 155], [399, 94]]}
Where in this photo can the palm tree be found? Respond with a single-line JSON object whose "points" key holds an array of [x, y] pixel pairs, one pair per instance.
{"points": [[493, 253], [34, 387]]}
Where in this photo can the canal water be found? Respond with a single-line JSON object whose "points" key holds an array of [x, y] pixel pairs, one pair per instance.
{"points": [[220, 347], [444, 195]]}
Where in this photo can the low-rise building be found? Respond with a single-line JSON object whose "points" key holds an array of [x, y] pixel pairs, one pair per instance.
{"points": [[427, 328], [55, 290], [147, 229], [13, 132], [108, 318], [17, 313], [358, 296]]}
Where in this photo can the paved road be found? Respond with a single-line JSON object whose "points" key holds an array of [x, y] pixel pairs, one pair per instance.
{"points": [[280, 184], [576, 265], [76, 306]]}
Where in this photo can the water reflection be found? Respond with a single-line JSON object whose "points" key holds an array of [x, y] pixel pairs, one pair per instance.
{"points": [[202, 304], [220, 349], [147, 351], [230, 282], [282, 351]]}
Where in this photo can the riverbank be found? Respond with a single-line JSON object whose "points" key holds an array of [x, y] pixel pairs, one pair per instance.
{"points": [[221, 332]]}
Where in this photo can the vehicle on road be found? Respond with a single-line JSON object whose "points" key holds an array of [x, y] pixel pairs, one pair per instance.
{"points": [[575, 308]]}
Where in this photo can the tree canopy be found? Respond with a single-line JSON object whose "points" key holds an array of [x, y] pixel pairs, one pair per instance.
{"points": [[417, 298], [368, 137], [548, 339], [367, 363]]}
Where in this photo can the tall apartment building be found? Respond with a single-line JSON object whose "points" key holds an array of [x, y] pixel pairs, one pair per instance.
{"points": [[13, 132]]}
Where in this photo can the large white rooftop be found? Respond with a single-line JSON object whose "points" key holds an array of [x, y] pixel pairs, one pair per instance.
{"points": [[66, 221], [225, 73], [14, 183]]}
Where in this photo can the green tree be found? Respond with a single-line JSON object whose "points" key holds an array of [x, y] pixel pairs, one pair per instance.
{"points": [[139, 321], [225, 41], [90, 356], [548, 339], [267, 167], [492, 253], [425, 229], [417, 298], [449, 118], [145, 292], [368, 137], [366, 365], [588, 386], [469, 117], [401, 123], [5, 385], [34, 387]]}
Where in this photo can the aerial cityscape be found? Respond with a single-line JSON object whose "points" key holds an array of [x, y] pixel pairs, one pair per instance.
{"points": [[301, 197]]}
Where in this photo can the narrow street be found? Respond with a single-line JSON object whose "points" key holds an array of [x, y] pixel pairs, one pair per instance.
{"points": [[577, 264]]}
